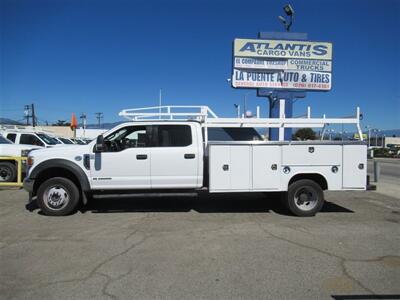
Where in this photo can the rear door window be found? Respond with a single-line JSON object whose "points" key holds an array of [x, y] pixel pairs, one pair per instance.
{"points": [[11, 137], [173, 136], [30, 139]]}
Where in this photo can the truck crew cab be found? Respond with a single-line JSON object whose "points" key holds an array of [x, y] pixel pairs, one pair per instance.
{"points": [[171, 151]]}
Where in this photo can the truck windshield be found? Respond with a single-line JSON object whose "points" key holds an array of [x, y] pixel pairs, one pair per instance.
{"points": [[65, 141], [233, 134], [3, 140], [48, 139]]}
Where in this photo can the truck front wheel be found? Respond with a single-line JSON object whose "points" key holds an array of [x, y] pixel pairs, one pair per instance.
{"points": [[304, 198], [58, 196]]}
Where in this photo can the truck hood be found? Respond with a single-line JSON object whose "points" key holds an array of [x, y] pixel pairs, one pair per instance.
{"points": [[61, 152], [15, 149]]}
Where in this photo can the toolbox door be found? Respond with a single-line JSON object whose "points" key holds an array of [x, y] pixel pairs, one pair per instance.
{"points": [[266, 167]]}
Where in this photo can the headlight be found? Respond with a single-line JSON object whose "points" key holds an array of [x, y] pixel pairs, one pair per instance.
{"points": [[25, 152]]}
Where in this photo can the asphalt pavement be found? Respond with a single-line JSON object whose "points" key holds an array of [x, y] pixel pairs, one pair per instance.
{"points": [[214, 247]]}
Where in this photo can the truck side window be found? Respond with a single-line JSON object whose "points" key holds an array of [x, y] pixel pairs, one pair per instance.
{"points": [[11, 137], [128, 137], [173, 136], [30, 139]]}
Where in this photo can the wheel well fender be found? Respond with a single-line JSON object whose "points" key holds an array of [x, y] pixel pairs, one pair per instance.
{"points": [[318, 178], [59, 168]]}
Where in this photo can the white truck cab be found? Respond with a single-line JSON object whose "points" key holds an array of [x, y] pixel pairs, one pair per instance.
{"points": [[168, 154], [34, 138]]}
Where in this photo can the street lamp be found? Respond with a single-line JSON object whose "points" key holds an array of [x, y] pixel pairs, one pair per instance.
{"points": [[245, 105], [376, 136], [369, 135], [289, 11], [237, 106]]}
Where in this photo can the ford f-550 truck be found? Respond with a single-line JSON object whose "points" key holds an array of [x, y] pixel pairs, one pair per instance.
{"points": [[167, 151]]}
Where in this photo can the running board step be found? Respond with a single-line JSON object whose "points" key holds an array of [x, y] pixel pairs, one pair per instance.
{"points": [[144, 195]]}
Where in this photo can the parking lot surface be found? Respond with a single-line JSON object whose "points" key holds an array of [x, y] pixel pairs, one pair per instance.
{"points": [[217, 247]]}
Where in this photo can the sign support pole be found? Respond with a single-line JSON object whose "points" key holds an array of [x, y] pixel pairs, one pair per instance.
{"points": [[276, 96]]}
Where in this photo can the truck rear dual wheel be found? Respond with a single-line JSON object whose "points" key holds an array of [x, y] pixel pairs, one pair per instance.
{"points": [[58, 196], [8, 172], [304, 198]]}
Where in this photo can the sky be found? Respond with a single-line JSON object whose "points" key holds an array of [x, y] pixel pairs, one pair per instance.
{"points": [[88, 56]]}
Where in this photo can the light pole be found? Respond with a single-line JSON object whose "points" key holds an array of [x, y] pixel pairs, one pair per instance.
{"points": [[369, 135], [289, 11], [160, 103], [376, 137], [245, 105], [237, 106]]}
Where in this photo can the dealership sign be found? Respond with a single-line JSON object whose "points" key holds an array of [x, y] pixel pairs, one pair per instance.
{"points": [[293, 80], [282, 64], [282, 49]]}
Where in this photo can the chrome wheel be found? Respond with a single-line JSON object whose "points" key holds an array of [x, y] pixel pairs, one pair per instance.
{"points": [[56, 197], [306, 198], [6, 173]]}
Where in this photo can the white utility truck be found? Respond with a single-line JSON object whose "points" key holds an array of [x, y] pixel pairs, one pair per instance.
{"points": [[187, 149], [8, 165]]}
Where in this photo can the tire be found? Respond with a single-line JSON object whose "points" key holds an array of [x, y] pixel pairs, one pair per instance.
{"points": [[8, 172], [58, 196], [304, 198]]}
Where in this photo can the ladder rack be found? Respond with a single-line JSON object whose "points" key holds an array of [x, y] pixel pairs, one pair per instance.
{"points": [[208, 118]]}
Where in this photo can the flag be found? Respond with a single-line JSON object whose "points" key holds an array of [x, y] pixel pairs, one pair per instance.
{"points": [[74, 123]]}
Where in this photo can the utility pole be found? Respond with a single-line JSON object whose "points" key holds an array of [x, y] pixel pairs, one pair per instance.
{"points": [[99, 116], [33, 115], [27, 114], [83, 121]]}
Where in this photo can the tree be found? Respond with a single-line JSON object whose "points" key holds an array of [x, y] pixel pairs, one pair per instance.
{"points": [[61, 123], [304, 134]]}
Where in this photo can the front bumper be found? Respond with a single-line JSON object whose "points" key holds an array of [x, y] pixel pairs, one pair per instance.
{"points": [[28, 184]]}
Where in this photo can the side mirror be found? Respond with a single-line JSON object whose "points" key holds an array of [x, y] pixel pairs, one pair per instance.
{"points": [[99, 144]]}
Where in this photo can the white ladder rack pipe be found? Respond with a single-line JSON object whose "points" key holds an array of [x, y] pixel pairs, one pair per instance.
{"points": [[208, 118]]}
